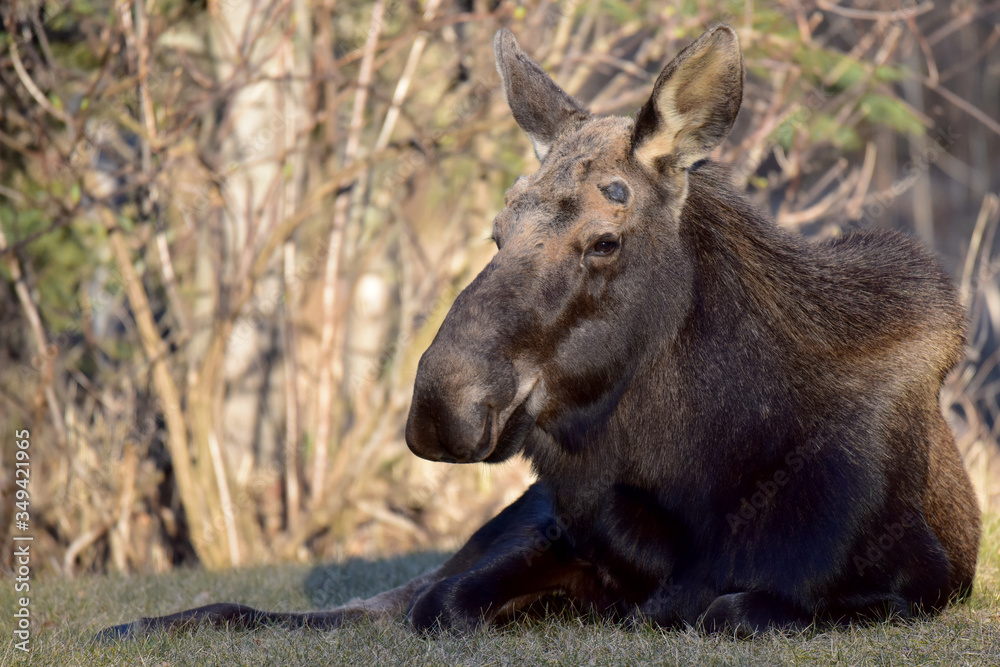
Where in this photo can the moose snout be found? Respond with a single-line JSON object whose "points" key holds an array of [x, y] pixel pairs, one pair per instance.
{"points": [[437, 432], [457, 404]]}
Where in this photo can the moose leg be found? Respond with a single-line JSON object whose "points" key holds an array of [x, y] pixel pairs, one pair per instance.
{"points": [[519, 557], [388, 604], [522, 534], [752, 612]]}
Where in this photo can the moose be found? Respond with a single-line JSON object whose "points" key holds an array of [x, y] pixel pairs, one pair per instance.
{"points": [[733, 428]]}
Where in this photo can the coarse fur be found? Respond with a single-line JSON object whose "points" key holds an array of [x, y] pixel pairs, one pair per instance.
{"points": [[733, 427]]}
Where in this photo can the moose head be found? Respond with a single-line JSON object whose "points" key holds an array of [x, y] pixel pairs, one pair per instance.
{"points": [[591, 276]]}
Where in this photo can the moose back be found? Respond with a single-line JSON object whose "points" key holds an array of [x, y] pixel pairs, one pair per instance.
{"points": [[732, 427]]}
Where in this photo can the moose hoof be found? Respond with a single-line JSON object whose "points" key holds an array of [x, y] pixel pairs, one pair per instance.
{"points": [[439, 608], [118, 633], [750, 614]]}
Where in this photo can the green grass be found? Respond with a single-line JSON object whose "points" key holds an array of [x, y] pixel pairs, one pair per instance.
{"points": [[66, 614]]}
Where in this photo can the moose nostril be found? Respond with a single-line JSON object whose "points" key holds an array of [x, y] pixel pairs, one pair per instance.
{"points": [[485, 444], [438, 432]]}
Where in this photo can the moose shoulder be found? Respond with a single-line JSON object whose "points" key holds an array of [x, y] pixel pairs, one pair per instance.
{"points": [[732, 427]]}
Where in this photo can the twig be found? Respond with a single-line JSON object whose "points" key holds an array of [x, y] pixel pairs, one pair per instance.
{"points": [[45, 353], [960, 21], [932, 68], [79, 544], [989, 208], [834, 172], [332, 274], [965, 106], [292, 436], [289, 197], [225, 499], [35, 91], [137, 40], [857, 200], [403, 85], [13, 195], [820, 208], [128, 468], [874, 15], [983, 51], [163, 381]]}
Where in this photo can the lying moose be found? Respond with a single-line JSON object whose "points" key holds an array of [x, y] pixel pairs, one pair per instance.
{"points": [[732, 428]]}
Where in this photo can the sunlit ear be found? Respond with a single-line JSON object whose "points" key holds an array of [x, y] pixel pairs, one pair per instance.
{"points": [[694, 103], [540, 106]]}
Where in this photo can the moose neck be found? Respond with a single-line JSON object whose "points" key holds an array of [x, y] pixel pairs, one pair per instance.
{"points": [[768, 312], [718, 371], [764, 306]]}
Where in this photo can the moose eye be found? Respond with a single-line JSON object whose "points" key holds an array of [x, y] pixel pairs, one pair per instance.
{"points": [[604, 247], [616, 191], [494, 234]]}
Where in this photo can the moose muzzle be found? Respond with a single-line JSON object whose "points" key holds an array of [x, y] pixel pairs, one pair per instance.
{"points": [[459, 399]]}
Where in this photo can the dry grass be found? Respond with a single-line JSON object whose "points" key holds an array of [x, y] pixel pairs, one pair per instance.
{"points": [[68, 613]]}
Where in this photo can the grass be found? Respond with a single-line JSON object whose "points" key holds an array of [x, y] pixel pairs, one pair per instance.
{"points": [[67, 613]]}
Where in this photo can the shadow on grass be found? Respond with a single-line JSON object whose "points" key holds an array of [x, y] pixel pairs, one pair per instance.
{"points": [[334, 584]]}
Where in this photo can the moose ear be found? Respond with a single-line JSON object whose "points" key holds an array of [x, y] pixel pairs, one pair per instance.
{"points": [[694, 103], [540, 106]]}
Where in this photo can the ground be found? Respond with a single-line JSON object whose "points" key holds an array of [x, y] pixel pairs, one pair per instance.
{"points": [[67, 613]]}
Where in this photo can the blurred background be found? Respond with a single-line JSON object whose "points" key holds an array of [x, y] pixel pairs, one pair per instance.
{"points": [[230, 228]]}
